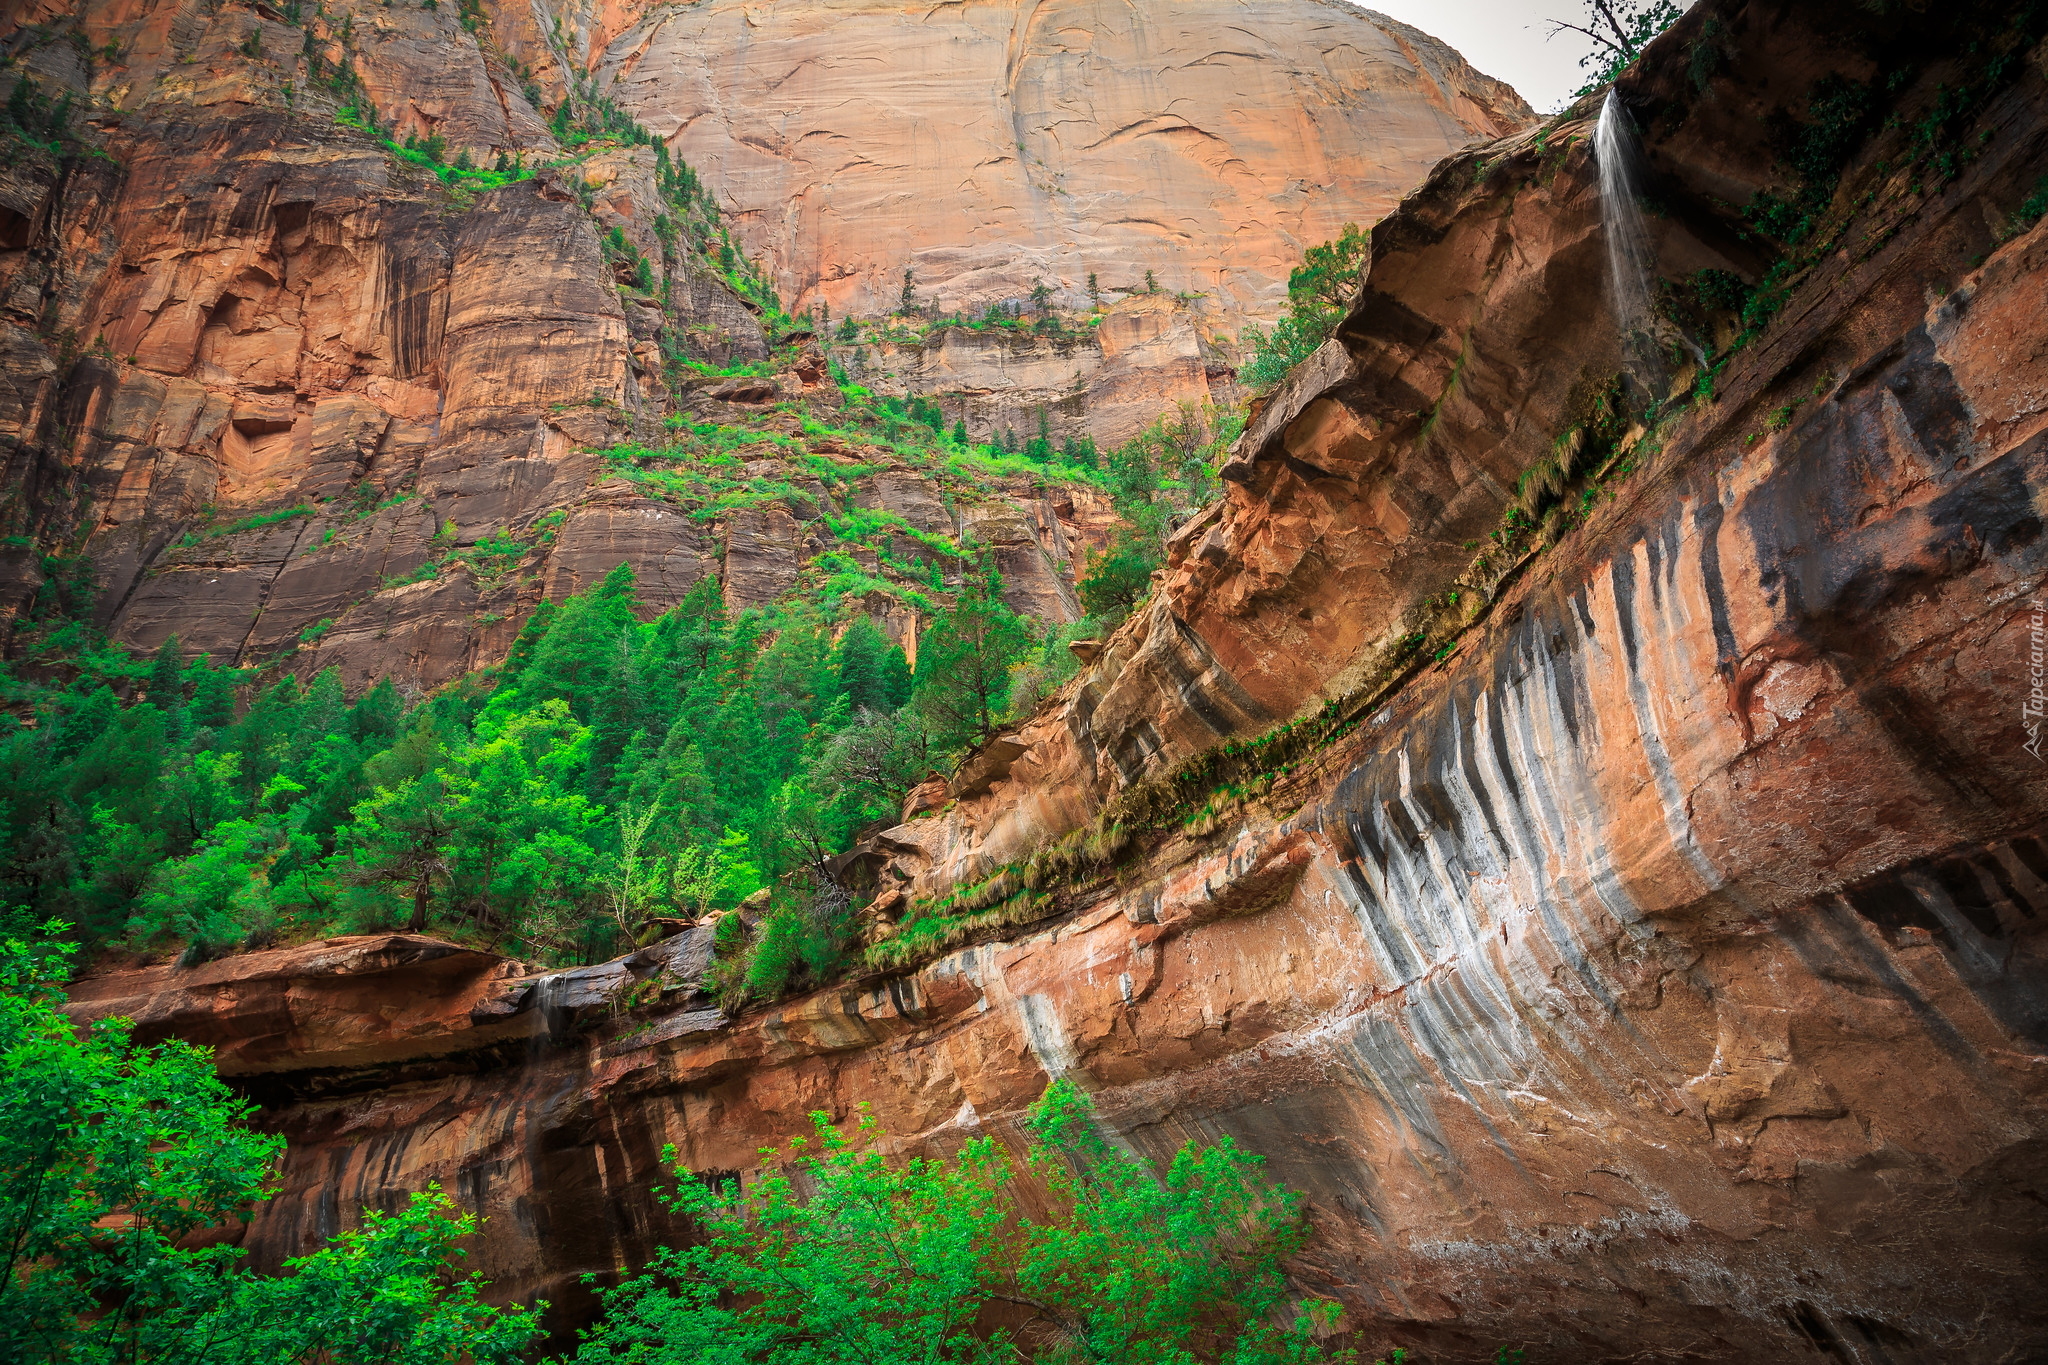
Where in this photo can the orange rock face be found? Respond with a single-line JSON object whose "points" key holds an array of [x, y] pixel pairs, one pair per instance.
{"points": [[987, 149], [986, 146], [249, 306], [1661, 970]]}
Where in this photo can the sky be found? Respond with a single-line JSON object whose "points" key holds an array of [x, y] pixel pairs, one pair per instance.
{"points": [[1507, 39]]}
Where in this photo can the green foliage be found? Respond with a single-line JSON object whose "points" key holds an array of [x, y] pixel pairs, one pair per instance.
{"points": [[208, 813], [964, 661], [1119, 577], [1619, 30], [2030, 210], [253, 522], [834, 1254], [431, 154], [32, 120], [381, 1295], [1839, 115], [113, 1155], [91, 1129], [1319, 292]]}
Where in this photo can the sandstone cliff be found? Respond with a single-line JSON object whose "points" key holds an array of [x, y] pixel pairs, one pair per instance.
{"points": [[984, 146], [1633, 947], [271, 386], [1141, 357]]}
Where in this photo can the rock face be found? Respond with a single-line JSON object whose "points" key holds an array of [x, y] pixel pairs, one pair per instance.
{"points": [[1100, 149], [984, 146], [1145, 356], [304, 405], [1647, 962]]}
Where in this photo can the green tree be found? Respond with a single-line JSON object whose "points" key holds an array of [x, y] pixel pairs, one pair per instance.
{"points": [[964, 663], [380, 1295], [213, 694], [166, 681], [1619, 30], [109, 1154], [1319, 293], [218, 896], [1118, 578], [833, 1255], [399, 839], [873, 673]]}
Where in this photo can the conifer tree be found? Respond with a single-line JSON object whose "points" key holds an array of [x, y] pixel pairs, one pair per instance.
{"points": [[165, 684], [964, 662]]}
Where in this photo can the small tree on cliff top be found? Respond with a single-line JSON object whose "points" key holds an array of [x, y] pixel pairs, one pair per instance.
{"points": [[1619, 30], [1319, 293]]}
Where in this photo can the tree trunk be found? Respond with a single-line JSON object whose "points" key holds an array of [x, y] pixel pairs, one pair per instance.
{"points": [[420, 891]]}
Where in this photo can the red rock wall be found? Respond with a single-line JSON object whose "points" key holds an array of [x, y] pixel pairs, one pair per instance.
{"points": [[1659, 973], [244, 306]]}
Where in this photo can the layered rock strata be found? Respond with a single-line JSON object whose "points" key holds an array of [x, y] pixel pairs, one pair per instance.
{"points": [[279, 386], [1108, 380], [1636, 946]]}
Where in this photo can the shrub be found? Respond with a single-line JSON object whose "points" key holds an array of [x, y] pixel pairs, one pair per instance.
{"points": [[833, 1244]]}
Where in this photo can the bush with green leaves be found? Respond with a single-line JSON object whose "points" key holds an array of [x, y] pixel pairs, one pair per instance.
{"points": [[112, 1155], [836, 1254], [1319, 293]]}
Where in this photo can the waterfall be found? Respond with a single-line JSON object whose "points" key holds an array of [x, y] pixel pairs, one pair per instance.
{"points": [[550, 994], [1630, 262]]}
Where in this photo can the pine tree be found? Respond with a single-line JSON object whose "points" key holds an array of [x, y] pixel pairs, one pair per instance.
{"points": [[213, 695], [165, 684], [86, 718], [964, 662], [399, 839], [863, 677], [617, 715], [374, 719]]}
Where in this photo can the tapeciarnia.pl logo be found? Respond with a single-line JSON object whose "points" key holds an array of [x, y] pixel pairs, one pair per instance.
{"points": [[2036, 703]]}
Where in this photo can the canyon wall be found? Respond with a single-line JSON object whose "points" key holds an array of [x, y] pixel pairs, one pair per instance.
{"points": [[289, 397], [227, 302], [1632, 946], [1144, 356], [987, 145]]}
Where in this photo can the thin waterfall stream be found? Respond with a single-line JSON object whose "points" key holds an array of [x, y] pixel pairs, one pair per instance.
{"points": [[1631, 263]]}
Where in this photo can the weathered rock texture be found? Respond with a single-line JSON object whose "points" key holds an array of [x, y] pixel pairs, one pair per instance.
{"points": [[246, 307], [987, 145], [1143, 357], [1657, 973]]}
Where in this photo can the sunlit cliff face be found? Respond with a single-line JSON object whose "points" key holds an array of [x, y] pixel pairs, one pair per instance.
{"points": [[989, 146]]}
